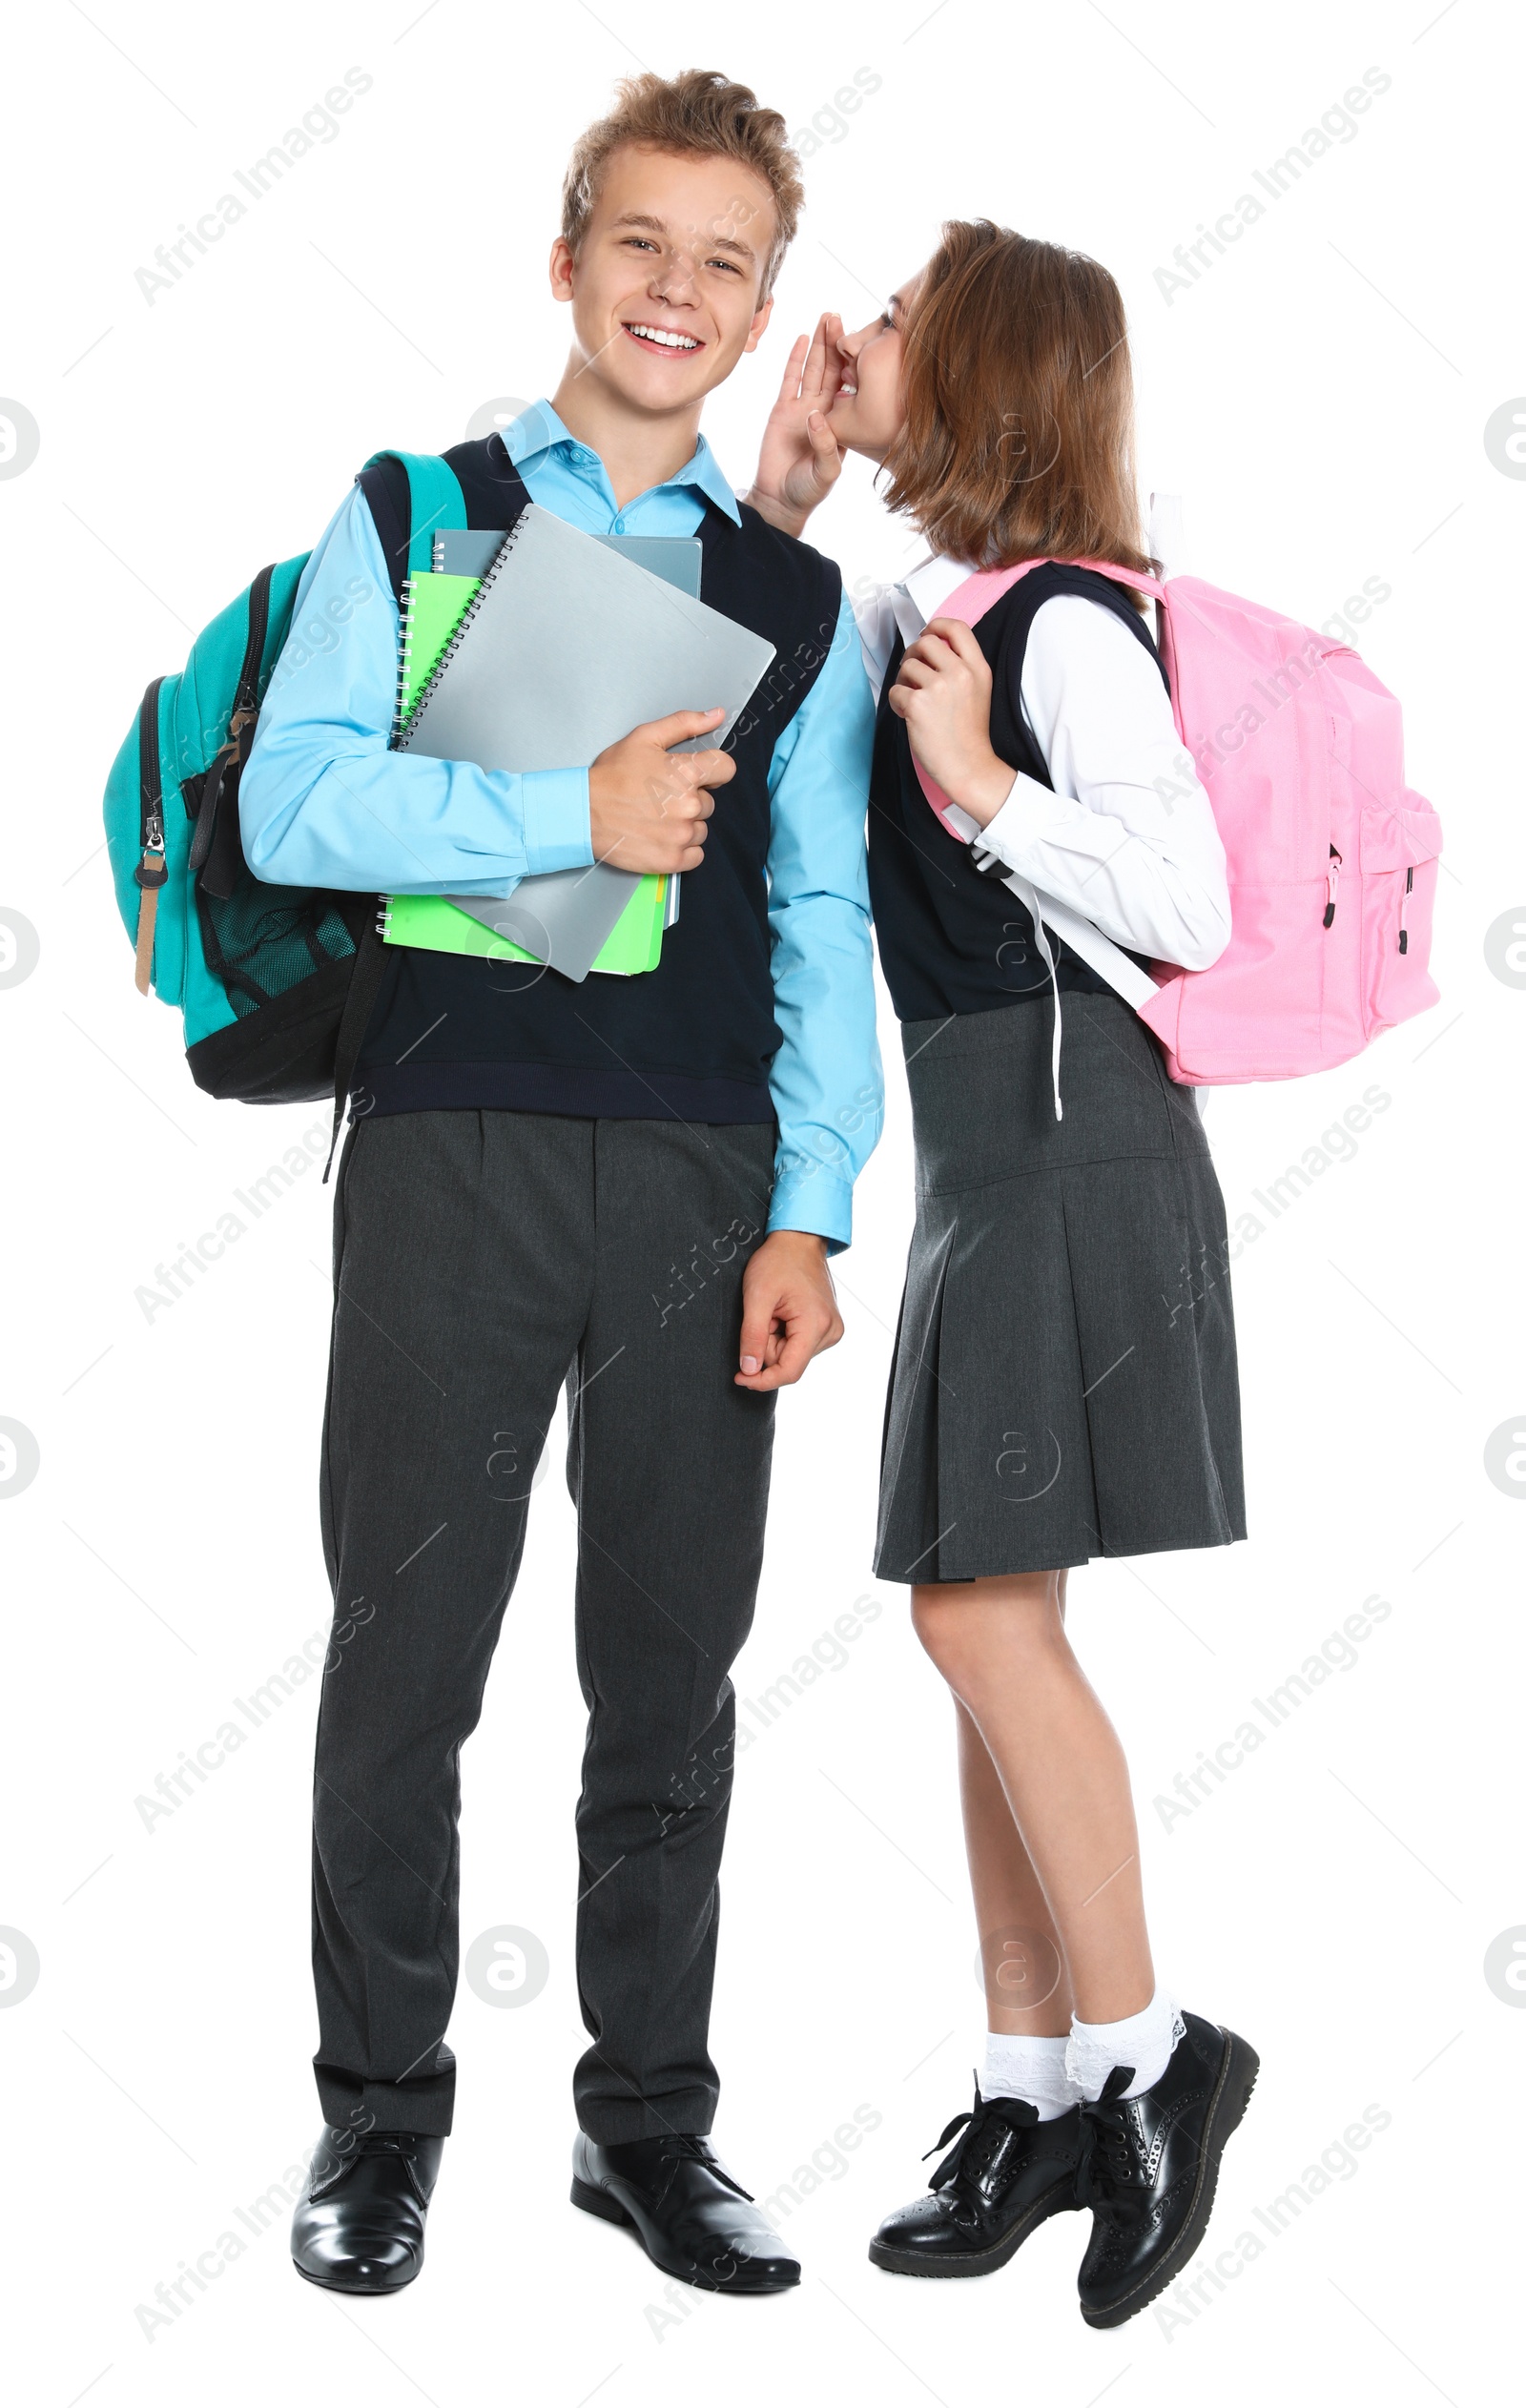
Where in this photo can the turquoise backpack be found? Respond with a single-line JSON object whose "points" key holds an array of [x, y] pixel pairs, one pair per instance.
{"points": [[274, 984]]}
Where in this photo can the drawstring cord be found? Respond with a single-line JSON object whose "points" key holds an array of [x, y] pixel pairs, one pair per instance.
{"points": [[985, 861]]}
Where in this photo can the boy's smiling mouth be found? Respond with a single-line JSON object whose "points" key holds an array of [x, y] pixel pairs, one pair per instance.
{"points": [[667, 340]]}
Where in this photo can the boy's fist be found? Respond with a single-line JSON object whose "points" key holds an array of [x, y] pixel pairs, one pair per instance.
{"points": [[789, 1310], [648, 805]]}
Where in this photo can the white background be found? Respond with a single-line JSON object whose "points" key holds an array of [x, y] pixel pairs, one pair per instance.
{"points": [[1319, 396]]}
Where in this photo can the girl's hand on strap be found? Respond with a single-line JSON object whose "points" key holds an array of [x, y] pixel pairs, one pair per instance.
{"points": [[942, 690], [799, 461]]}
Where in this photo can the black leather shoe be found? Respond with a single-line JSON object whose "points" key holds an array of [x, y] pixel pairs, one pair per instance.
{"points": [[688, 2215], [1006, 2173], [358, 2224], [1149, 2167]]}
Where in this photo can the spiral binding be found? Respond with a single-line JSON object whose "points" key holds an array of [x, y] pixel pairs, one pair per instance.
{"points": [[404, 658], [383, 917], [403, 733]]}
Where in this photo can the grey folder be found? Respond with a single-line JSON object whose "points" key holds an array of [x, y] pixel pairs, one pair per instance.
{"points": [[565, 648], [678, 558]]}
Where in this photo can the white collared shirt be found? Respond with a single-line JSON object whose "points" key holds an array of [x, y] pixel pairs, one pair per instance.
{"points": [[1127, 838]]}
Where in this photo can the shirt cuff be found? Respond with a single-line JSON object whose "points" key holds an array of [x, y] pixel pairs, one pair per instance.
{"points": [[555, 808], [1030, 813], [809, 1197]]}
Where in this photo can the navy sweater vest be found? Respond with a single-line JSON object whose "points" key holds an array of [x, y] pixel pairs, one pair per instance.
{"points": [[692, 1040], [953, 938]]}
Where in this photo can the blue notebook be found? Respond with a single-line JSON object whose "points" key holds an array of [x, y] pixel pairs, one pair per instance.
{"points": [[469, 552]]}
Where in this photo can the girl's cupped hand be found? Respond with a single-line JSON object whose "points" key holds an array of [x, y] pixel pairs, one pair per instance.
{"points": [[801, 458]]}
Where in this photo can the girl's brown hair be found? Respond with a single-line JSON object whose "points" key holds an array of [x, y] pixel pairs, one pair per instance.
{"points": [[1019, 406]]}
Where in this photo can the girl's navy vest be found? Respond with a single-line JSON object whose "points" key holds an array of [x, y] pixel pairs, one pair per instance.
{"points": [[951, 937], [692, 1040]]}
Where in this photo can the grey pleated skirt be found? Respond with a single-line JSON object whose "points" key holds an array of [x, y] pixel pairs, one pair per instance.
{"points": [[1064, 1382]]}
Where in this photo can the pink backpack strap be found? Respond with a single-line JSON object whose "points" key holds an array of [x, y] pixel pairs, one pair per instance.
{"points": [[970, 602]]}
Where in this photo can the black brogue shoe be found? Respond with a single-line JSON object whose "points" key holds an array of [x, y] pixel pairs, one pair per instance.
{"points": [[1149, 2166], [1005, 2176]]}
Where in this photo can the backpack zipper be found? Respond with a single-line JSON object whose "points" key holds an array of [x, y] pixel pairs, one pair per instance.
{"points": [[1409, 888], [246, 700], [1332, 880], [152, 871], [218, 872]]}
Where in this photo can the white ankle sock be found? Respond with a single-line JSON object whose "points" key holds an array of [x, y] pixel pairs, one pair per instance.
{"points": [[1144, 2041], [1019, 2066]]}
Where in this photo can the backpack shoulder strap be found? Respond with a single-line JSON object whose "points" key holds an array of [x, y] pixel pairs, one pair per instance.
{"points": [[972, 600], [411, 493], [360, 1002], [969, 603], [495, 492]]}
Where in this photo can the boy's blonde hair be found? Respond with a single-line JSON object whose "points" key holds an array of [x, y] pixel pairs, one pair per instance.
{"points": [[702, 114]]}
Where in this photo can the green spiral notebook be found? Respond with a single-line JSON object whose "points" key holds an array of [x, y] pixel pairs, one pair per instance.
{"points": [[433, 608], [435, 602], [431, 924]]}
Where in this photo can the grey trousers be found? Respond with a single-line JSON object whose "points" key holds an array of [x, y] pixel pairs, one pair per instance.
{"points": [[481, 1260]]}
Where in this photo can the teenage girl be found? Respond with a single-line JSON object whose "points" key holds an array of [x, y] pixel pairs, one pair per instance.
{"points": [[1064, 1382]]}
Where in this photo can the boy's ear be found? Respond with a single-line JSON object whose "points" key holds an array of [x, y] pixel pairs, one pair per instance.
{"points": [[760, 320], [562, 265]]}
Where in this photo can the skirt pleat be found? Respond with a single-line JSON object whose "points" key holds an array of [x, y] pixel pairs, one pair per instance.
{"points": [[1064, 1382]]}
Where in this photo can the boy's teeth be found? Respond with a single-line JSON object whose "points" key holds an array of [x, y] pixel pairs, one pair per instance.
{"points": [[660, 334]]}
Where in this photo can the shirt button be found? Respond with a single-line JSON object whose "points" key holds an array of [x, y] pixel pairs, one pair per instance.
{"points": [[619, 526]]}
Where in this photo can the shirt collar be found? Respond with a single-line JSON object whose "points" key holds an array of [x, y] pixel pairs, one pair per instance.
{"points": [[927, 587], [538, 429]]}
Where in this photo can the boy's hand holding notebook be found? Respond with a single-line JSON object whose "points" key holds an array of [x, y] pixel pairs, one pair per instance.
{"points": [[648, 803], [558, 653]]}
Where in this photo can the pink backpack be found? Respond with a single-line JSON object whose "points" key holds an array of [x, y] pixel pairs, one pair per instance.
{"points": [[1332, 858]]}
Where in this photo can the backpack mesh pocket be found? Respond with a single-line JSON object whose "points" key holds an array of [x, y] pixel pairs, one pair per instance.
{"points": [[264, 940]]}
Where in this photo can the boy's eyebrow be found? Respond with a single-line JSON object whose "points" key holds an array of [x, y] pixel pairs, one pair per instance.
{"points": [[657, 225]]}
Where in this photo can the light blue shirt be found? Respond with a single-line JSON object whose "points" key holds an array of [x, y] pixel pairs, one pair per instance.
{"points": [[325, 802]]}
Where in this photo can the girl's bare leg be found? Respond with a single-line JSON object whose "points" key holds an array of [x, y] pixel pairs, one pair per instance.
{"points": [[1060, 1876]]}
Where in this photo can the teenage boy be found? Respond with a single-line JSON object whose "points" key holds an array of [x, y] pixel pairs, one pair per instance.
{"points": [[630, 1186]]}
